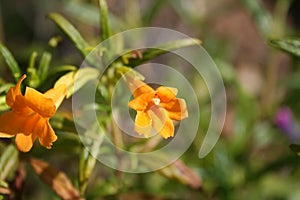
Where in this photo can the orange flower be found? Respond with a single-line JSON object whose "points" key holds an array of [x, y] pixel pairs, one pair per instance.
{"points": [[155, 108], [30, 114]]}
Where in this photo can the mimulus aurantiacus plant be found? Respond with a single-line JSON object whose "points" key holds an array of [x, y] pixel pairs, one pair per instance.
{"points": [[30, 114], [155, 108]]}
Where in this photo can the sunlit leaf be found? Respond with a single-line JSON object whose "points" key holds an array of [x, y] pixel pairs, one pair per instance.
{"points": [[8, 161], [81, 77], [56, 179], [11, 62], [3, 105], [291, 46]]}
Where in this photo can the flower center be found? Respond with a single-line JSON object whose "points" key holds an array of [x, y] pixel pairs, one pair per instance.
{"points": [[156, 101]]}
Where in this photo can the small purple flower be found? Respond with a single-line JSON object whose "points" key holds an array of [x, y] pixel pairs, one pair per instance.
{"points": [[284, 120]]}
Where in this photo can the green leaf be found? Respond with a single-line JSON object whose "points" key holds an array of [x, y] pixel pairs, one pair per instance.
{"points": [[3, 105], [11, 62], [289, 45], [8, 161], [33, 79], [44, 65], [5, 87], [81, 77], [75, 37], [56, 73], [295, 148], [88, 14], [71, 32], [149, 54], [104, 23], [152, 10]]}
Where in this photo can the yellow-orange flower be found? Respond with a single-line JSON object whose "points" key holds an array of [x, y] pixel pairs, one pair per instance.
{"points": [[30, 114], [155, 108]]}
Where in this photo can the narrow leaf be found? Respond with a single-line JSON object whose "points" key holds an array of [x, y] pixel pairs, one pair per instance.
{"points": [[76, 79], [33, 79], [83, 47], [11, 62], [44, 65], [8, 161], [56, 179], [289, 45], [149, 54], [71, 32], [88, 14], [104, 23]]}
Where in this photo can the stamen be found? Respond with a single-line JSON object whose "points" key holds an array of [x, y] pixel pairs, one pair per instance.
{"points": [[156, 101]]}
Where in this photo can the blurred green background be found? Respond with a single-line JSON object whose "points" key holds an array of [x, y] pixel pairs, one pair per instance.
{"points": [[252, 159]]}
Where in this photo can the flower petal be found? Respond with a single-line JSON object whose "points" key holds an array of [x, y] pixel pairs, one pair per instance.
{"points": [[176, 109], [138, 87], [39, 103], [166, 94], [142, 123], [141, 102], [57, 94], [12, 123], [45, 133], [6, 135], [14, 91], [25, 142], [161, 122]]}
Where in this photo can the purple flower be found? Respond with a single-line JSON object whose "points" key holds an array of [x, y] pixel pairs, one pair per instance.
{"points": [[284, 120]]}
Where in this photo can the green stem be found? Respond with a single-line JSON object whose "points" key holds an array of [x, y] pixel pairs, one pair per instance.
{"points": [[88, 160]]}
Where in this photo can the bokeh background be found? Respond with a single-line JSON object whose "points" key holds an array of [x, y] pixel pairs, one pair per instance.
{"points": [[252, 159]]}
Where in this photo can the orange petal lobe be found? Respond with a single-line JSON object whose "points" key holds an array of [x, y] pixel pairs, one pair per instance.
{"points": [[39, 103], [57, 94], [12, 123], [14, 91], [138, 87], [142, 123], [165, 94], [25, 142], [176, 109], [161, 122], [45, 133], [141, 102]]}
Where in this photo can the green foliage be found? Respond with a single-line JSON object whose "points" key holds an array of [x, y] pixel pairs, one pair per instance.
{"points": [[8, 162], [11, 62], [289, 45], [251, 159]]}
